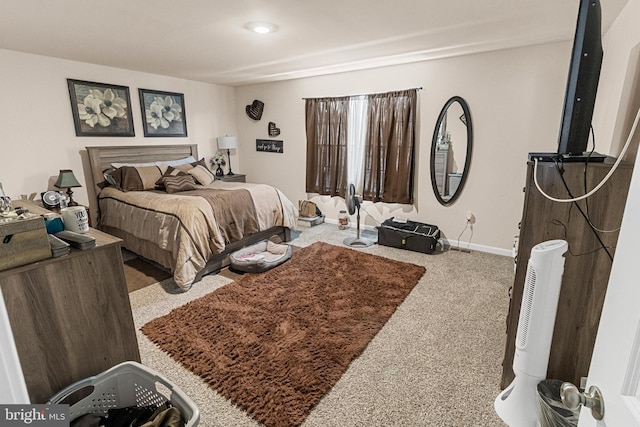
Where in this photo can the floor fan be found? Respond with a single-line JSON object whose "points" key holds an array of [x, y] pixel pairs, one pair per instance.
{"points": [[353, 205], [517, 404]]}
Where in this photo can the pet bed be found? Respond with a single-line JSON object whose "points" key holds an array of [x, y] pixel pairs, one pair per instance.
{"points": [[260, 257]]}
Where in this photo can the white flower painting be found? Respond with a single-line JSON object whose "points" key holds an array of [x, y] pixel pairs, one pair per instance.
{"points": [[163, 113], [100, 109]]}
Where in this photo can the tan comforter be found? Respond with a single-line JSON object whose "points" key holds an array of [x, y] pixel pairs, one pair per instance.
{"points": [[185, 227]]}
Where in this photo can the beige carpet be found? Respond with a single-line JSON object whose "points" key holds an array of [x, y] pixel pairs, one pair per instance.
{"points": [[437, 361]]}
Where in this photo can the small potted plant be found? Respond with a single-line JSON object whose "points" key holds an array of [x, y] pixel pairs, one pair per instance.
{"points": [[218, 160]]}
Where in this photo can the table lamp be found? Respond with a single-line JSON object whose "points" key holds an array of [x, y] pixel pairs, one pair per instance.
{"points": [[228, 143], [66, 179]]}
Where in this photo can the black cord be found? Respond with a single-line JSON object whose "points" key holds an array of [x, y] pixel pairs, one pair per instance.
{"points": [[584, 215], [586, 201], [586, 163], [564, 228]]}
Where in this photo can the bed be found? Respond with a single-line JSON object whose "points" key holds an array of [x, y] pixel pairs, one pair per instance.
{"points": [[191, 233]]}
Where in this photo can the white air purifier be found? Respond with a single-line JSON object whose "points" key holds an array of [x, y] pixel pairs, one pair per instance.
{"points": [[517, 404]]}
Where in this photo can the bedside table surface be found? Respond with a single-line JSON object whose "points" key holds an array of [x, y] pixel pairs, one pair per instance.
{"points": [[36, 207], [238, 177]]}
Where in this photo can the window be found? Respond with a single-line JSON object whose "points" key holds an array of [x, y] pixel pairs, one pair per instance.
{"points": [[366, 140]]}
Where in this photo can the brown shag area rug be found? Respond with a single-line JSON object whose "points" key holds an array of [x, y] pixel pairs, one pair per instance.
{"points": [[275, 343]]}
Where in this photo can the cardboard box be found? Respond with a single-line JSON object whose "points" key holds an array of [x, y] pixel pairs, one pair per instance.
{"points": [[23, 241], [310, 222]]}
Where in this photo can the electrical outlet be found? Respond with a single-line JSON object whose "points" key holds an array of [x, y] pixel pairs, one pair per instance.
{"points": [[469, 215]]}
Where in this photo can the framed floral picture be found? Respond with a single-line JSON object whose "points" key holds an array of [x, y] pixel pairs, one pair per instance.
{"points": [[100, 109], [163, 113]]}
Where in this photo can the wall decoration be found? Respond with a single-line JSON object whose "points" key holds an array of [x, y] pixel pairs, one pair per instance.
{"points": [[273, 130], [100, 109], [254, 111], [163, 113], [270, 145]]}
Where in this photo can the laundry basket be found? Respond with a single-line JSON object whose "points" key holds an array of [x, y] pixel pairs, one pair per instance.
{"points": [[124, 385]]}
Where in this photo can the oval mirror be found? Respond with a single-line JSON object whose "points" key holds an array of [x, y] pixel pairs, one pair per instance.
{"points": [[451, 150]]}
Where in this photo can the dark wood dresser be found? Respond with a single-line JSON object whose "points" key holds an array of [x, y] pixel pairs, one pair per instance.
{"points": [[70, 316], [587, 265]]}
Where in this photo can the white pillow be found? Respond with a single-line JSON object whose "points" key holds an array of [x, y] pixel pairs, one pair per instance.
{"points": [[133, 165], [160, 163], [179, 162]]}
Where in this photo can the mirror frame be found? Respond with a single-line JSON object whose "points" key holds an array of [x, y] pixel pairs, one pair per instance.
{"points": [[467, 162]]}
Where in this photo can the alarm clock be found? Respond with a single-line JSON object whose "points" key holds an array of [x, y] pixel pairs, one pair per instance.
{"points": [[50, 200]]}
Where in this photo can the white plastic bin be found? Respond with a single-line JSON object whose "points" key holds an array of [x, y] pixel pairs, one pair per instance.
{"points": [[124, 385]]}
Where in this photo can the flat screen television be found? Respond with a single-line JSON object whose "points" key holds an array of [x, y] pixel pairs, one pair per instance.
{"points": [[582, 83], [582, 86]]}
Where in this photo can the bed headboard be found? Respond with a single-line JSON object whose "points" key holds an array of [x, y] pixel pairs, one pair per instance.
{"points": [[100, 159]]}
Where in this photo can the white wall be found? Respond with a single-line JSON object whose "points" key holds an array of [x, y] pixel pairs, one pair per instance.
{"points": [[37, 136], [618, 97], [515, 97]]}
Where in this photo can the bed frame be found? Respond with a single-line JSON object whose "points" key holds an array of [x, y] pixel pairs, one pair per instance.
{"points": [[101, 158]]}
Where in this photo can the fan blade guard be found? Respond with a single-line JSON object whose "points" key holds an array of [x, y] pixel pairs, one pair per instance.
{"points": [[351, 199]]}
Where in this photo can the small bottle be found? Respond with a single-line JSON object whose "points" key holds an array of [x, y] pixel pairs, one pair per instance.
{"points": [[343, 220], [64, 200]]}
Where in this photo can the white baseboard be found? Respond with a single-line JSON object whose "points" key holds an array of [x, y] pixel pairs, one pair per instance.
{"points": [[362, 226], [447, 243], [477, 247]]}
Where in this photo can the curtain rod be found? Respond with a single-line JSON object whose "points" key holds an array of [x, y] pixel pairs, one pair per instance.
{"points": [[364, 94]]}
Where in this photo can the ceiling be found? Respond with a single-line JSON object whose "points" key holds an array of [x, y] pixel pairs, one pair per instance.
{"points": [[205, 40]]}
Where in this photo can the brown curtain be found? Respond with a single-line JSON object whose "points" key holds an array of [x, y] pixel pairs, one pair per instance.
{"points": [[389, 150], [326, 121], [389, 146]]}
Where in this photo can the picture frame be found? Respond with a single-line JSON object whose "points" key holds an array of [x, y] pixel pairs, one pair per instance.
{"points": [[163, 113], [270, 145], [100, 109]]}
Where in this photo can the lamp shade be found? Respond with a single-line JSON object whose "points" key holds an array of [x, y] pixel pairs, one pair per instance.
{"points": [[227, 142], [67, 179]]}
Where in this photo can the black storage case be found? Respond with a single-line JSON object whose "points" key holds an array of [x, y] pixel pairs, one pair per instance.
{"points": [[410, 235]]}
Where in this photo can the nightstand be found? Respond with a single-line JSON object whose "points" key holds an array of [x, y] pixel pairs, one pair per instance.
{"points": [[238, 177]]}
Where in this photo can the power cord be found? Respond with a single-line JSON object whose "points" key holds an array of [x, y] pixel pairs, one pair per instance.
{"points": [[584, 215], [564, 227], [586, 201], [370, 216], [468, 225], [573, 199], [604, 180]]}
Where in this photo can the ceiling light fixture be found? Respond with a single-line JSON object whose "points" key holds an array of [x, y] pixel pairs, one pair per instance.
{"points": [[261, 27]]}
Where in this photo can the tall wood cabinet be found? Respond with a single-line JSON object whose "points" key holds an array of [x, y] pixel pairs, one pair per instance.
{"points": [[70, 316], [587, 265], [441, 167]]}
